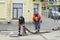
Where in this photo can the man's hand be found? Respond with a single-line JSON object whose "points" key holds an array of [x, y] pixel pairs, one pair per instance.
{"points": [[40, 21]]}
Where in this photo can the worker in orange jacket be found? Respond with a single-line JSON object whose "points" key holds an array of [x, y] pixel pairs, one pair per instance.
{"points": [[36, 19]]}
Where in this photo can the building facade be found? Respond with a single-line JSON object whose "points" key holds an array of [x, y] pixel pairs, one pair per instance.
{"points": [[11, 10], [44, 4]]}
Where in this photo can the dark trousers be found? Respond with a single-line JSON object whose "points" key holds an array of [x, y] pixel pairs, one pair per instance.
{"points": [[37, 25], [19, 29]]}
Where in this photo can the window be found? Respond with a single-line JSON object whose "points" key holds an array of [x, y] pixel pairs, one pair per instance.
{"points": [[36, 0], [58, 0], [2, 0], [36, 8], [33, 0], [41, 0], [17, 5], [17, 10], [43, 8]]}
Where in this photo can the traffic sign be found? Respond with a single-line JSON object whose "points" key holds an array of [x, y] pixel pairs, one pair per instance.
{"points": [[51, 1]]}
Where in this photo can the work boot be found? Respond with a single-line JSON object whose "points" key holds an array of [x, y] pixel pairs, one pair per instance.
{"points": [[24, 31], [19, 35], [19, 31], [36, 31]]}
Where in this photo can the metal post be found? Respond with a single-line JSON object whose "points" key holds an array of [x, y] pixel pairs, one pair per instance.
{"points": [[55, 13], [9, 10]]}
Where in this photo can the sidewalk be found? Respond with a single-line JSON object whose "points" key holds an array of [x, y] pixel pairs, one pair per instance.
{"points": [[54, 35], [9, 31], [47, 24]]}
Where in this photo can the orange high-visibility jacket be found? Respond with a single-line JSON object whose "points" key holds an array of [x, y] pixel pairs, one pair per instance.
{"points": [[38, 16]]}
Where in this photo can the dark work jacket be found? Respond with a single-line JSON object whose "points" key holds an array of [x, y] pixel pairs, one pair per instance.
{"points": [[21, 20]]}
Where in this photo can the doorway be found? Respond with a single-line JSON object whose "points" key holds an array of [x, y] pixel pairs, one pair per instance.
{"points": [[36, 8]]}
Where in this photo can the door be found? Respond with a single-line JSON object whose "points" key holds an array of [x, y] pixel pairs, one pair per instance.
{"points": [[17, 10], [36, 8]]}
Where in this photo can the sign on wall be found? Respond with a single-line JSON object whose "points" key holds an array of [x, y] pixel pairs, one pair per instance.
{"points": [[51, 1]]}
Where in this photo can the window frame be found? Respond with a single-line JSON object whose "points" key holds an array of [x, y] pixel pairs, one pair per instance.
{"points": [[2, 0]]}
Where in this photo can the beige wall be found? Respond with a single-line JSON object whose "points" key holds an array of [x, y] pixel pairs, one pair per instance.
{"points": [[2, 11], [27, 5]]}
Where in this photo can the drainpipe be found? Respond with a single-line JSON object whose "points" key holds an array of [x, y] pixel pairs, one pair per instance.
{"points": [[9, 11]]}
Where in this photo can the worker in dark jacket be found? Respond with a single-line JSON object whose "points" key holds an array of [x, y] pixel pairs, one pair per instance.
{"points": [[21, 24]]}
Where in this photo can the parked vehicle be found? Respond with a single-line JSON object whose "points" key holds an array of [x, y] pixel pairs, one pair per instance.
{"points": [[54, 15], [54, 11]]}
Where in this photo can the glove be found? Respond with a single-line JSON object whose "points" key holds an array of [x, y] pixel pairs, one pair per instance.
{"points": [[40, 21]]}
